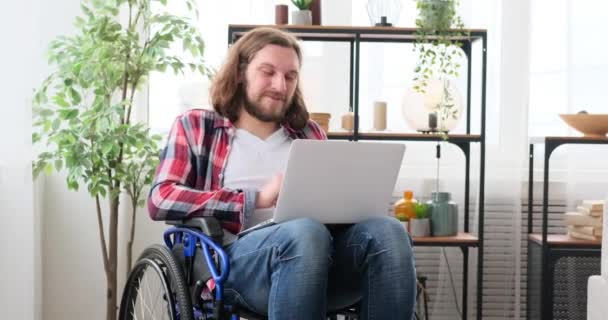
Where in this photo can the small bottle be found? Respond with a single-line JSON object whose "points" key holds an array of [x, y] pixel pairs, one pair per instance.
{"points": [[404, 208]]}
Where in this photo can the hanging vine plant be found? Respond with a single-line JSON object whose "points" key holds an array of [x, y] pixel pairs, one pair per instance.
{"points": [[439, 30], [439, 35]]}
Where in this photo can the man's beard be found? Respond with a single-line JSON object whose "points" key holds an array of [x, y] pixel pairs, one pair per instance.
{"points": [[257, 111]]}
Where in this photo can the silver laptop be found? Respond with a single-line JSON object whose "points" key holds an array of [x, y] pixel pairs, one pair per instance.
{"points": [[338, 181]]}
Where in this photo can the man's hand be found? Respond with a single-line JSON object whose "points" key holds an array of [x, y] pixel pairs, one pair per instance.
{"points": [[267, 196]]}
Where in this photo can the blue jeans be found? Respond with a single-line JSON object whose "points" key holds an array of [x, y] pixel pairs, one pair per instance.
{"points": [[300, 269]]}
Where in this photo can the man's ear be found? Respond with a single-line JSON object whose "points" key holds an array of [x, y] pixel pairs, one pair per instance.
{"points": [[240, 75]]}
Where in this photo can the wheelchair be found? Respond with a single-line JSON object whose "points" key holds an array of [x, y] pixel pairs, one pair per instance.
{"points": [[170, 281]]}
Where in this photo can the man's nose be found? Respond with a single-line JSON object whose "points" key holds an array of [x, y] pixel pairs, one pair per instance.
{"points": [[278, 83]]}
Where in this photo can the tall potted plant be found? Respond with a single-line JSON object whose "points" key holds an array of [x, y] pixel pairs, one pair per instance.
{"points": [[438, 40], [83, 110]]}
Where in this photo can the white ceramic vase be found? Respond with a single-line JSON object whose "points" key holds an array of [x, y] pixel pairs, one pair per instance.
{"points": [[301, 17]]}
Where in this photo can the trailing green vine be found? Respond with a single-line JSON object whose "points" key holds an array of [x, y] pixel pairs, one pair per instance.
{"points": [[439, 36]]}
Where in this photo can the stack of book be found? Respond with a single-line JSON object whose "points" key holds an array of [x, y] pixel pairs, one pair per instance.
{"points": [[586, 222]]}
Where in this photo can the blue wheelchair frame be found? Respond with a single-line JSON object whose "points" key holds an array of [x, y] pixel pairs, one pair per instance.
{"points": [[189, 238]]}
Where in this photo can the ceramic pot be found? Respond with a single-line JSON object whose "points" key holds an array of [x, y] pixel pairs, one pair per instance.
{"points": [[444, 214], [420, 227], [301, 17]]}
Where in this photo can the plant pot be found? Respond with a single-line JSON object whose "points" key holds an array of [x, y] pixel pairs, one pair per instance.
{"points": [[436, 14], [420, 227], [405, 224], [301, 17], [322, 119], [444, 214]]}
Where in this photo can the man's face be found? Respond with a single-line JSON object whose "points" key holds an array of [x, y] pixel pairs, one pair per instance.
{"points": [[270, 82]]}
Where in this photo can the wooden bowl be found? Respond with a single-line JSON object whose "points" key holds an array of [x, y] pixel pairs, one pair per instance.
{"points": [[590, 125]]}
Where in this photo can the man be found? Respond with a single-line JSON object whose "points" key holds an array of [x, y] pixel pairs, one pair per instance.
{"points": [[228, 164]]}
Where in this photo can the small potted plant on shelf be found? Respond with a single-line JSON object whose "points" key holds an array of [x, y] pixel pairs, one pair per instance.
{"points": [[303, 16], [420, 225], [438, 40]]}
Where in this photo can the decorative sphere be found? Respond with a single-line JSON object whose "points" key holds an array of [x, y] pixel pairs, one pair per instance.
{"points": [[439, 108]]}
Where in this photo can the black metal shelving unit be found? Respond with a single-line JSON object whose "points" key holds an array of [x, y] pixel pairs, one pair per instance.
{"points": [[357, 35], [546, 250]]}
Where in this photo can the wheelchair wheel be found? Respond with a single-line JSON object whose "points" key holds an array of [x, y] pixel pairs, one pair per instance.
{"points": [[156, 288]]}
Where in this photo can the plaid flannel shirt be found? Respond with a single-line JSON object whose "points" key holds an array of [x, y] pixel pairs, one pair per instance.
{"points": [[189, 178]]}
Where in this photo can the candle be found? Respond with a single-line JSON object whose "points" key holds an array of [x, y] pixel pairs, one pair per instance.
{"points": [[348, 121], [379, 115], [280, 14], [432, 121]]}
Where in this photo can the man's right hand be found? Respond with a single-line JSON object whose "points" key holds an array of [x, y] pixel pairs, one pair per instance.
{"points": [[267, 196]]}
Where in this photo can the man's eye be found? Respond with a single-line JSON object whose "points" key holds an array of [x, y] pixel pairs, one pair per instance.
{"points": [[268, 72]]}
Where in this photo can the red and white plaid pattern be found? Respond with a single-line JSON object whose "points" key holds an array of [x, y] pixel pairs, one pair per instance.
{"points": [[189, 178]]}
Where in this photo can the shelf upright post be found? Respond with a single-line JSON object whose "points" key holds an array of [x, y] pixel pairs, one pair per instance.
{"points": [[465, 281], [351, 76], [530, 188], [356, 93], [467, 48]]}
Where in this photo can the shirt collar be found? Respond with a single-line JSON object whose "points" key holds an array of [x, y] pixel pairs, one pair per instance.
{"points": [[223, 122]]}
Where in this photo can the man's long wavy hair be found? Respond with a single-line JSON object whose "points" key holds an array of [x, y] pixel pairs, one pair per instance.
{"points": [[227, 93]]}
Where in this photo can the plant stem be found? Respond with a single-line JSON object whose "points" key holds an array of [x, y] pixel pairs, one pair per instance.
{"points": [[131, 235], [102, 237], [112, 283]]}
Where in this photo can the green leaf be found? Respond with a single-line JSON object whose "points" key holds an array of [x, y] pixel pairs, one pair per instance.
{"points": [[45, 113], [46, 125], [59, 99], [35, 137], [75, 96], [72, 184], [58, 165], [107, 148], [56, 124], [48, 169], [72, 114]]}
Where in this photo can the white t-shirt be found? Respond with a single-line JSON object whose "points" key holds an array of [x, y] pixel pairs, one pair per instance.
{"points": [[253, 161]]}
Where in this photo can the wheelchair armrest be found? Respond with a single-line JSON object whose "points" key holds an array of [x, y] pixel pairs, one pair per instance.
{"points": [[210, 226]]}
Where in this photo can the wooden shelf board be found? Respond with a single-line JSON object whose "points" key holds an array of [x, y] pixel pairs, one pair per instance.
{"points": [[563, 240], [459, 240], [405, 136], [569, 139], [329, 32]]}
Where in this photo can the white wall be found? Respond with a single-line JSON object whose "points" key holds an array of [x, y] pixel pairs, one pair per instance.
{"points": [[19, 257], [50, 263]]}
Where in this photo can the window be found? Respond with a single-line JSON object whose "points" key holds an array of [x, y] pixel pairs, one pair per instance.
{"points": [[169, 94], [568, 63]]}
